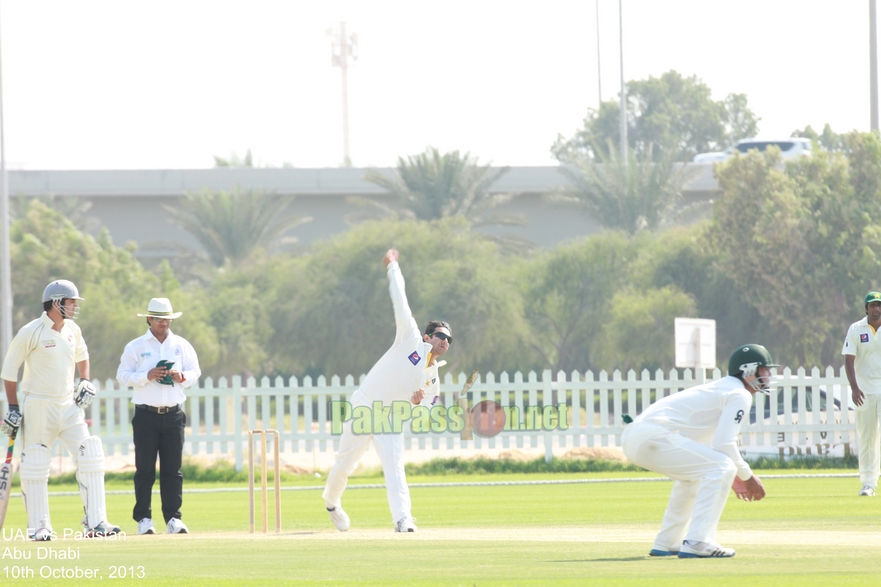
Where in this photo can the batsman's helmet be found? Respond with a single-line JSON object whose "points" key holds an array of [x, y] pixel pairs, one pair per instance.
{"points": [[746, 360], [60, 289]]}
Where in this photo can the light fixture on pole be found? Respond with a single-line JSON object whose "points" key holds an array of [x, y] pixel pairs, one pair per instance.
{"points": [[344, 51]]}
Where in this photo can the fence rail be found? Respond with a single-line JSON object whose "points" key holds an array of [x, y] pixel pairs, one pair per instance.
{"points": [[806, 412]]}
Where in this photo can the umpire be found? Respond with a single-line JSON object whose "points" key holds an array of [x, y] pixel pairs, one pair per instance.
{"points": [[159, 365]]}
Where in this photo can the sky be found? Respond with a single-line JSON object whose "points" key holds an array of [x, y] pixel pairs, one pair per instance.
{"points": [[169, 84]]}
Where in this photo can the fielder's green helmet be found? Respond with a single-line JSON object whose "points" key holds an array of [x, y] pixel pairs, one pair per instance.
{"points": [[748, 358]]}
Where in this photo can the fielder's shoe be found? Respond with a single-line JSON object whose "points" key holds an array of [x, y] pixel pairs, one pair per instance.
{"points": [[105, 528], [704, 550], [867, 491], [145, 526], [43, 535], [339, 518], [175, 526], [405, 525], [662, 552]]}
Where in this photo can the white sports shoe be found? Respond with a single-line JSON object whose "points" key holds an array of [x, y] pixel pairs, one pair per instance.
{"points": [[867, 491], [175, 526], [704, 550], [405, 525], [145, 526], [105, 528], [43, 535], [339, 518]]}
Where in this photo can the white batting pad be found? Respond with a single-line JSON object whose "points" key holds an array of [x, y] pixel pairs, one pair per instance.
{"points": [[34, 474], [90, 476]]}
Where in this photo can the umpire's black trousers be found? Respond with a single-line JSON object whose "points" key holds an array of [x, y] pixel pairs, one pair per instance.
{"points": [[163, 435]]}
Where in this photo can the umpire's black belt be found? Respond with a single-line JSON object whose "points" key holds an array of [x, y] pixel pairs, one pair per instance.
{"points": [[159, 410]]}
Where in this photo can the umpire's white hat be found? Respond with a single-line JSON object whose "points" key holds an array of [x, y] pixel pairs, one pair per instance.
{"points": [[161, 308]]}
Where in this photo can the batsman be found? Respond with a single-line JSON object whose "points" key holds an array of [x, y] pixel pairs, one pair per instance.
{"points": [[52, 407]]}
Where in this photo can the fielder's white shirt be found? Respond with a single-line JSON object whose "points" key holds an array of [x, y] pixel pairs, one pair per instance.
{"points": [[142, 354], [401, 370], [711, 414], [862, 342], [49, 357]]}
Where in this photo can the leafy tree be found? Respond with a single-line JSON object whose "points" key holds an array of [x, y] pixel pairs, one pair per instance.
{"points": [[629, 195], [679, 258], [434, 185], [232, 226], [73, 209], [45, 246], [638, 333], [828, 139], [804, 234], [669, 112], [336, 304], [235, 161], [567, 295]]}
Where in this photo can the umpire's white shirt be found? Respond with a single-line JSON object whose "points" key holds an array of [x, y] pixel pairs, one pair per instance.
{"points": [[49, 357], [142, 354], [401, 370], [862, 342], [711, 414]]}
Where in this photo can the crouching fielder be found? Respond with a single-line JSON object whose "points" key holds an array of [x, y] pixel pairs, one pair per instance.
{"points": [[52, 407], [691, 437]]}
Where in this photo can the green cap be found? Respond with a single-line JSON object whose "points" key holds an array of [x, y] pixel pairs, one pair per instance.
{"points": [[873, 296]]}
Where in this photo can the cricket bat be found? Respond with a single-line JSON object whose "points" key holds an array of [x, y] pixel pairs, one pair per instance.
{"points": [[6, 480], [463, 403]]}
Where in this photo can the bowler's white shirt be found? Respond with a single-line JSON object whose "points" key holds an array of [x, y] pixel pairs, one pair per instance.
{"points": [[711, 414], [142, 354], [401, 370], [862, 342], [49, 357]]}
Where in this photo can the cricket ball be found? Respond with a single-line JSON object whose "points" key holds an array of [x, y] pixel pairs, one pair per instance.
{"points": [[487, 418]]}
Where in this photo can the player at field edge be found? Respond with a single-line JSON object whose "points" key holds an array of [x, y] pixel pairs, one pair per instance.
{"points": [[407, 371], [159, 420], [862, 363], [691, 437], [52, 407]]}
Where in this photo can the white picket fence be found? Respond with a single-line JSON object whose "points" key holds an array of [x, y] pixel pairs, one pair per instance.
{"points": [[794, 419]]}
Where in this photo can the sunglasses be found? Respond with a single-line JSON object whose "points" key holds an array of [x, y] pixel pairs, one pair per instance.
{"points": [[443, 336]]}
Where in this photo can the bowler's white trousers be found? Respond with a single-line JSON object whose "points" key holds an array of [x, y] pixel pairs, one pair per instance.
{"points": [[868, 416], [390, 448], [702, 478]]}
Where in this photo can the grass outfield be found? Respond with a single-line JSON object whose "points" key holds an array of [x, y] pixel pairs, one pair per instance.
{"points": [[806, 532]]}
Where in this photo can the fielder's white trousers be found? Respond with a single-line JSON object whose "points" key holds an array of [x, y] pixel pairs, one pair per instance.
{"points": [[701, 477], [868, 416], [390, 448]]}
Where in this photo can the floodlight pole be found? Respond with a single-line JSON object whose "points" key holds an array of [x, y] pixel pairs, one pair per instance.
{"points": [[873, 63], [343, 49], [623, 87], [5, 263], [599, 61]]}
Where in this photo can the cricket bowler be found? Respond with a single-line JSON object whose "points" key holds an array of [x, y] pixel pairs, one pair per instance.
{"points": [[406, 372]]}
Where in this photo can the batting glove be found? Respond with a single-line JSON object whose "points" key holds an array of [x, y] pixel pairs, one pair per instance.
{"points": [[12, 421], [84, 394]]}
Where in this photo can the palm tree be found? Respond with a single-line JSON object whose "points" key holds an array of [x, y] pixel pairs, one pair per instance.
{"points": [[231, 226], [629, 195], [432, 185]]}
